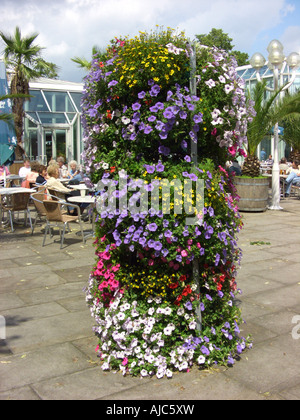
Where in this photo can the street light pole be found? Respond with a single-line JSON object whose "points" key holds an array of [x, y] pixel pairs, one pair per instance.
{"points": [[275, 62]]}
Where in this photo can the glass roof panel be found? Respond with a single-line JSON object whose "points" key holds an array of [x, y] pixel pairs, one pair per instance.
{"points": [[71, 116], [36, 103], [33, 116], [52, 118], [76, 98], [59, 101]]}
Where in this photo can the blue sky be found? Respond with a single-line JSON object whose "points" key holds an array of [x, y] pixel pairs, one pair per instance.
{"points": [[69, 28]]}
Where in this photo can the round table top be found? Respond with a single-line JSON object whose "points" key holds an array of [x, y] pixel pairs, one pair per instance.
{"points": [[15, 190], [79, 187], [87, 199]]}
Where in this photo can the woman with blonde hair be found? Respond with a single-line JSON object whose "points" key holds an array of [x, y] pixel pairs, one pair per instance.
{"points": [[53, 182]]}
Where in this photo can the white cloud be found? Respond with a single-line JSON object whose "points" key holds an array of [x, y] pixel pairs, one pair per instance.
{"points": [[70, 28], [291, 39]]}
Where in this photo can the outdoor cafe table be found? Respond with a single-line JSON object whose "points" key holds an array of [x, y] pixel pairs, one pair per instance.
{"points": [[15, 190], [87, 199], [80, 187]]}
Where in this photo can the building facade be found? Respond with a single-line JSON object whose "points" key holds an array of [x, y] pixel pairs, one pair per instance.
{"points": [[248, 73], [52, 124]]}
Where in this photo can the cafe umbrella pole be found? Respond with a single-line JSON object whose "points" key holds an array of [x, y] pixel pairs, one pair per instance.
{"points": [[193, 91]]}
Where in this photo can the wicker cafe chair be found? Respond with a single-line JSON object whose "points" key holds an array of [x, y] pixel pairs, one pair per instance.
{"points": [[17, 202], [55, 213], [37, 199]]}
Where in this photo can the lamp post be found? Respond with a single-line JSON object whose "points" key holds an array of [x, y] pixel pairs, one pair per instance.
{"points": [[276, 59]]}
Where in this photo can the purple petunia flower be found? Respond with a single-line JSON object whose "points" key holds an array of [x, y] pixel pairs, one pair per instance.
{"points": [[136, 117], [168, 113], [152, 227], [193, 177], [92, 112], [198, 118], [112, 83], [164, 150], [157, 246], [160, 105], [205, 350], [152, 118], [189, 305], [164, 252], [184, 144], [153, 108], [149, 168], [168, 233], [151, 243], [141, 95], [147, 129], [169, 95], [208, 232], [155, 89], [142, 241], [160, 167], [136, 106], [159, 126], [187, 158]]}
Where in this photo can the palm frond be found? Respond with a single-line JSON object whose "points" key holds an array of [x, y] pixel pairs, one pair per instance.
{"points": [[268, 113]]}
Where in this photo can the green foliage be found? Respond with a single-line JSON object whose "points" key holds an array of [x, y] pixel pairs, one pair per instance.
{"points": [[221, 40]]}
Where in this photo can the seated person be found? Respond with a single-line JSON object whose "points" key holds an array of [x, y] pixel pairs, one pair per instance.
{"points": [[43, 176], [53, 182], [34, 173], [25, 169], [63, 170], [233, 167], [4, 172], [293, 177], [74, 173], [270, 160], [283, 166]]}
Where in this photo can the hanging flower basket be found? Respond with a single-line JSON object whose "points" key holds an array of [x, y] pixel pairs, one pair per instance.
{"points": [[162, 290]]}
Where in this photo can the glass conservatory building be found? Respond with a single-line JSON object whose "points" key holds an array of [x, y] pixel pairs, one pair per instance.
{"points": [[52, 125], [248, 73]]}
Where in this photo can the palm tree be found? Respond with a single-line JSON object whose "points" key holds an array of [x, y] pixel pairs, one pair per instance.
{"points": [[86, 64], [291, 135], [23, 57], [267, 114], [8, 118]]}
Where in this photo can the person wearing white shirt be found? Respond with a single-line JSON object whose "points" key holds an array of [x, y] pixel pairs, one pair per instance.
{"points": [[25, 169], [63, 170]]}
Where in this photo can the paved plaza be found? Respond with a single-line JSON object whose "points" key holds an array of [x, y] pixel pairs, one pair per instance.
{"points": [[48, 353]]}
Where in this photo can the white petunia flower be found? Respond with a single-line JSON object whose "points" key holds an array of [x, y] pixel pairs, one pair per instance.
{"points": [[201, 360]]}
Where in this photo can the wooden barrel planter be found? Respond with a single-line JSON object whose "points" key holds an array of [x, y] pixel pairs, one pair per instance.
{"points": [[253, 193]]}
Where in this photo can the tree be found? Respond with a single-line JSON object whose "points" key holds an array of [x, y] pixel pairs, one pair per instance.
{"points": [[86, 64], [23, 57], [267, 114], [221, 40]]}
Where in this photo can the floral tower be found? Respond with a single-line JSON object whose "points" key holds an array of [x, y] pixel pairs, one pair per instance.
{"points": [[162, 290]]}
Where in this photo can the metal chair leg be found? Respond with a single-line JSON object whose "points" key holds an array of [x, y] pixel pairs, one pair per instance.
{"points": [[63, 236]]}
